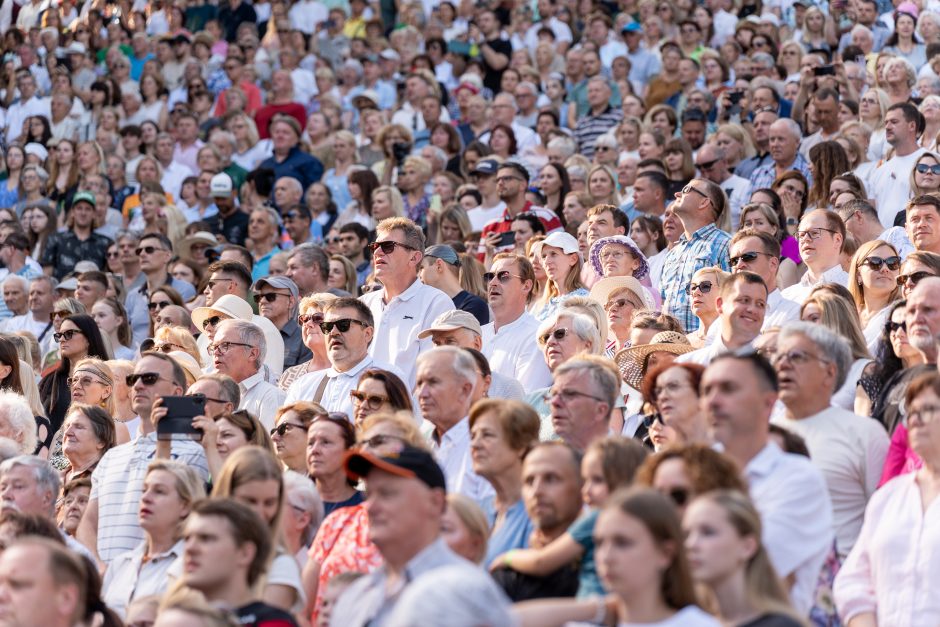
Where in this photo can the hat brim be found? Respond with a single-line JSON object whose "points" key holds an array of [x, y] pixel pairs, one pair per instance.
{"points": [[440, 328], [603, 289], [359, 464], [632, 361], [187, 244]]}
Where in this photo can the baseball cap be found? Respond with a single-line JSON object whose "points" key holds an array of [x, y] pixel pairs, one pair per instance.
{"points": [[410, 463], [632, 27], [83, 197], [451, 321], [220, 186], [486, 166], [565, 241], [443, 252], [278, 283], [390, 55]]}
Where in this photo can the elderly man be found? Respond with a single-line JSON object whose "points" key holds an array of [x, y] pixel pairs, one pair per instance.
{"points": [[237, 350], [406, 501], [862, 223], [757, 252], [109, 525], [278, 300], [309, 267], [742, 304], [15, 296], [461, 329], [287, 193], [348, 329], [820, 235], [811, 363], [891, 181], [509, 341], [288, 159], [739, 391], [783, 141], [38, 320], [600, 118], [711, 163], [404, 306], [444, 390], [581, 398]]}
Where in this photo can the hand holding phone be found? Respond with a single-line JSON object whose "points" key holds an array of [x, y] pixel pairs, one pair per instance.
{"points": [[176, 414]]}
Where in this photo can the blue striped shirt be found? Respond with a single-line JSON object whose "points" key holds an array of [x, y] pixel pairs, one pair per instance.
{"points": [[764, 176], [707, 247]]}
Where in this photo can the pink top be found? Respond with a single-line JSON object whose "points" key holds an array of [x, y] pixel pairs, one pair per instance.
{"points": [[901, 457], [790, 249]]}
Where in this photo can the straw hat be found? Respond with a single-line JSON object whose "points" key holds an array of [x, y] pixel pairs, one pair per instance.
{"points": [[632, 361], [605, 287]]}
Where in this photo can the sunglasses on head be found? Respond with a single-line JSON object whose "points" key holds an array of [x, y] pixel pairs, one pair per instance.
{"points": [[66, 335], [924, 168], [147, 378], [342, 324], [704, 287], [558, 334], [388, 246], [875, 263]]}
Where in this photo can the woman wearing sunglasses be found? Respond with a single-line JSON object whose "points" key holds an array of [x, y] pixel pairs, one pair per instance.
{"points": [[894, 359], [311, 315], [78, 337], [168, 339], [160, 298], [925, 175], [289, 434], [684, 472], [703, 297], [873, 283], [61, 309], [918, 265], [379, 391]]}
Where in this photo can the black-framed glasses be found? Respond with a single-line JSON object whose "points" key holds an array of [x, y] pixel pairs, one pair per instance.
{"points": [[269, 297], [388, 247], [875, 263], [147, 378], [158, 305], [558, 334], [747, 257], [314, 318], [704, 287], [213, 321], [691, 188], [342, 324], [223, 347], [373, 401], [813, 234], [147, 249], [913, 277], [502, 276], [894, 327], [283, 428], [66, 335], [923, 168]]}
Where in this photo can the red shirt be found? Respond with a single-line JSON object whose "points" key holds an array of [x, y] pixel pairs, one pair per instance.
{"points": [[547, 217]]}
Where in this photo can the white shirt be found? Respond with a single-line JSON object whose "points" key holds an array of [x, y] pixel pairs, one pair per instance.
{"points": [[26, 322], [336, 393], [737, 188], [704, 356], [306, 14], [173, 177], [526, 138], [562, 32], [453, 454], [513, 351], [505, 387], [398, 323], [891, 185], [850, 451], [260, 399], [780, 310], [799, 292], [19, 111], [844, 397], [129, 577], [897, 237], [481, 216], [872, 330], [791, 496], [611, 50]]}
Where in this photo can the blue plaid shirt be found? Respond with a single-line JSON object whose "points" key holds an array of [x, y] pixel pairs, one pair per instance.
{"points": [[707, 247], [764, 176]]}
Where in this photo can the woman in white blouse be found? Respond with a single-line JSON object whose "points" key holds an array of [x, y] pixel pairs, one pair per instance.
{"points": [[890, 576], [170, 491]]}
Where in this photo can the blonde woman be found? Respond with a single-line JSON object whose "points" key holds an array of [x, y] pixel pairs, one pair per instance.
{"points": [[872, 107], [346, 156], [343, 275], [168, 339], [873, 284], [311, 315], [703, 296], [602, 186], [736, 143], [387, 203], [250, 151]]}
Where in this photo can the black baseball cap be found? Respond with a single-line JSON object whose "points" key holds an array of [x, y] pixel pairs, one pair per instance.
{"points": [[410, 463]]}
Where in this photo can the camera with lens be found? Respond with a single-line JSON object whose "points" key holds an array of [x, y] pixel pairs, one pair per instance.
{"points": [[400, 150]]}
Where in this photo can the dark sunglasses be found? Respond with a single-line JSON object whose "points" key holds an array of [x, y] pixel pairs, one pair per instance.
{"points": [[893, 327], [650, 419], [198, 395], [923, 168], [388, 247], [270, 297], [316, 319], [745, 257], [343, 325], [913, 277], [59, 314], [147, 249], [147, 378], [66, 335], [708, 165], [214, 321], [558, 334], [283, 428], [704, 287], [502, 276], [679, 496], [158, 305], [371, 400], [875, 263]]}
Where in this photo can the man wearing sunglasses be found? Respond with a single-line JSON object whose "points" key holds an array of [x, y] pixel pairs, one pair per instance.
{"points": [[861, 221], [711, 163], [758, 252], [509, 341], [820, 235], [238, 350], [349, 328], [109, 526], [404, 306], [278, 299]]}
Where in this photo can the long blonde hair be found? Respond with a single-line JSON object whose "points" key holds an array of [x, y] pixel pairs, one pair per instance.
{"points": [[839, 316], [855, 281]]}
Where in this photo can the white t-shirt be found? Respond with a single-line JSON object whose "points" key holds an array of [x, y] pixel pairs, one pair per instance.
{"points": [[689, 616], [481, 216], [890, 183]]}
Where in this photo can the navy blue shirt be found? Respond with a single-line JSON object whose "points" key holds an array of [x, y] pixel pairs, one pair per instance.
{"points": [[298, 164], [465, 301]]}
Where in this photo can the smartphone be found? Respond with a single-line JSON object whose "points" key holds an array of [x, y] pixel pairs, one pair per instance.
{"points": [[824, 70], [507, 239], [179, 418], [459, 47], [735, 96]]}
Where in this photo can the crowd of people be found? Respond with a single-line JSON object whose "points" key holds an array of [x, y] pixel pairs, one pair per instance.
{"points": [[469, 313]]}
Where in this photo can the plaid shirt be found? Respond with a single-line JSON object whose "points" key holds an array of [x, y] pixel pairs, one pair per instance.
{"points": [[707, 247], [764, 176]]}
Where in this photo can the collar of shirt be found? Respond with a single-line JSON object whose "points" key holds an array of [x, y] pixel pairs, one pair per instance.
{"points": [[352, 372], [408, 294], [458, 435], [508, 217], [510, 326], [835, 274], [172, 553], [763, 463], [702, 233], [290, 329], [251, 382]]}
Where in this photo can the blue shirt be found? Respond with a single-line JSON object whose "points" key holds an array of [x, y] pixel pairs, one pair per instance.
{"points": [[707, 247], [765, 175], [512, 533], [338, 187], [298, 164], [582, 530], [552, 306]]}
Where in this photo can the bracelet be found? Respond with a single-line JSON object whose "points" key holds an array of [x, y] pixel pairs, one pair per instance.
{"points": [[507, 559], [600, 615]]}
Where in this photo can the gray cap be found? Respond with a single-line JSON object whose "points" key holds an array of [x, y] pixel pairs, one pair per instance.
{"points": [[86, 266], [69, 285], [278, 283], [451, 321], [443, 252]]}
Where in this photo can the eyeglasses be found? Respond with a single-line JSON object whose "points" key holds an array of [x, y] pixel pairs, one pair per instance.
{"points": [[198, 395], [283, 428], [82, 382], [342, 324], [924, 415], [615, 255], [797, 358], [875, 262], [812, 234], [502, 276], [923, 168], [213, 282], [380, 440], [66, 335], [388, 246], [691, 188], [114, 255], [372, 401], [558, 334], [147, 378], [167, 347], [913, 277], [566, 396], [147, 249], [708, 165], [223, 347], [59, 314], [506, 179], [315, 319], [269, 297], [158, 305], [671, 387], [747, 257], [618, 303], [213, 321], [704, 287], [894, 327]]}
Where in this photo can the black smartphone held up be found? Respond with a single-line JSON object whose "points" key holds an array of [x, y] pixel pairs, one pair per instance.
{"points": [[824, 70], [179, 418], [507, 239], [735, 96]]}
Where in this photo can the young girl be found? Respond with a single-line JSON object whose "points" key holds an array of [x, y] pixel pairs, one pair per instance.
{"points": [[607, 465]]}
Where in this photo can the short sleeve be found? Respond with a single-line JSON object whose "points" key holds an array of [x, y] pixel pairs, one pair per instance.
{"points": [[582, 530]]}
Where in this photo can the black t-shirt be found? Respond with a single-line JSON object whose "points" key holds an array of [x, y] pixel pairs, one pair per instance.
{"points": [[493, 77], [520, 587], [471, 303], [259, 614], [772, 620]]}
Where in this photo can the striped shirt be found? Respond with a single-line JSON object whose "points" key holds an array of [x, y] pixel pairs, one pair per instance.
{"points": [[590, 127], [118, 482], [764, 176], [707, 247]]}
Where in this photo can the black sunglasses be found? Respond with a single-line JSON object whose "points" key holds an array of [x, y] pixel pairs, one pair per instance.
{"points": [[147, 249], [913, 277], [558, 334], [746, 257], [158, 305], [708, 165], [342, 324], [147, 378], [875, 263], [704, 287], [923, 168], [650, 419], [214, 321], [283, 428], [66, 335], [270, 297], [199, 395], [893, 326], [503, 276], [388, 246]]}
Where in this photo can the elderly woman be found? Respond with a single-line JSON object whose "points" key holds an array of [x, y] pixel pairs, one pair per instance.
{"points": [[18, 423], [311, 315], [501, 432], [169, 492], [873, 275], [620, 296], [88, 433], [379, 391], [618, 255], [289, 434], [673, 391], [302, 516], [880, 582]]}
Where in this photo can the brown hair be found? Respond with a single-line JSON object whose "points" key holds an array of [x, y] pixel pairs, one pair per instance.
{"points": [[620, 459], [706, 468], [519, 422]]}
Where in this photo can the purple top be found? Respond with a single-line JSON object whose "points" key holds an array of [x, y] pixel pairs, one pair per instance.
{"points": [[790, 248]]}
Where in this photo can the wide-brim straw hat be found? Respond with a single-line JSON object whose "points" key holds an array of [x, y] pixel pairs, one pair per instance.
{"points": [[632, 361]]}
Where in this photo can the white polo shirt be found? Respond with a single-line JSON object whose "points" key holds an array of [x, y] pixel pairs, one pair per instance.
{"points": [[513, 351], [339, 384], [260, 399], [398, 323]]}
